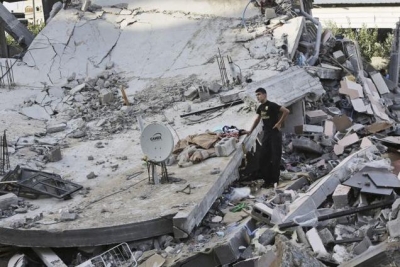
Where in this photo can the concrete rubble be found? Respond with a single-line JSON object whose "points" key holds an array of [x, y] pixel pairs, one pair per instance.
{"points": [[337, 200]]}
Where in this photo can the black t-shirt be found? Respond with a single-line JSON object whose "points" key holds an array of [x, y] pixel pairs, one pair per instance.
{"points": [[269, 112]]}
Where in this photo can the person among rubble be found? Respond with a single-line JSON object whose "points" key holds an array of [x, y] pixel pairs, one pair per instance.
{"points": [[383, 73], [271, 151]]}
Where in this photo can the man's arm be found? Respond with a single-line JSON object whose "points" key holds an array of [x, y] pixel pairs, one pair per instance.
{"points": [[285, 112], [255, 123]]}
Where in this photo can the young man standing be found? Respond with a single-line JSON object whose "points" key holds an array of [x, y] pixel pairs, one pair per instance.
{"points": [[271, 151]]}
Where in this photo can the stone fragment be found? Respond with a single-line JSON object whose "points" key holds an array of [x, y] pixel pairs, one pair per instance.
{"points": [[307, 145], [339, 56], [54, 154], [91, 175], [204, 93], [56, 128], [362, 246], [289, 255], [106, 97], [77, 89], [216, 219], [267, 237], [191, 93], [326, 236], [7, 200], [316, 243], [341, 196], [21, 210], [68, 216]]}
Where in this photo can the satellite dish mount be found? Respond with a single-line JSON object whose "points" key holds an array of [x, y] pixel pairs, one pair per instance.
{"points": [[157, 144]]}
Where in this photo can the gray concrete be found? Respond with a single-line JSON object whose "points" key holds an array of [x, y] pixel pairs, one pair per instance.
{"points": [[54, 154], [324, 187], [7, 200], [288, 87]]}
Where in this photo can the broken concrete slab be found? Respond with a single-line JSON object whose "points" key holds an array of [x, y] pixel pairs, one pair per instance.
{"points": [[366, 142], [261, 261], [7, 200], [288, 87], [77, 89], [362, 246], [289, 255], [383, 254], [348, 140], [36, 112], [293, 29], [316, 243], [350, 88], [321, 189], [379, 83]]}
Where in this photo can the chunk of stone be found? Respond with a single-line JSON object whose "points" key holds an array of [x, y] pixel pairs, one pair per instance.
{"points": [[106, 97], [91, 175], [315, 241], [7, 200], [56, 128], [68, 216], [362, 246], [307, 145], [341, 196], [191, 93], [54, 154], [289, 255]]}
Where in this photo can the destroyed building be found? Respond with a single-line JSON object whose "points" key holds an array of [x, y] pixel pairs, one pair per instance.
{"points": [[80, 187]]}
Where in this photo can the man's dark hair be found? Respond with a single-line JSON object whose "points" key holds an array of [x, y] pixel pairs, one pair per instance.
{"points": [[261, 90], [382, 71]]}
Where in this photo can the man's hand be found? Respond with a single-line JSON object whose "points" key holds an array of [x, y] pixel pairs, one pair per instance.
{"points": [[277, 126], [247, 132]]}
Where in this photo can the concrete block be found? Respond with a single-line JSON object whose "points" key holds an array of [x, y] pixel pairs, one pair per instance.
{"points": [[362, 246], [106, 97], [85, 5], [315, 241], [56, 128], [215, 87], [341, 196], [307, 128], [267, 237], [229, 98], [228, 251], [393, 227], [339, 56], [326, 236], [342, 122], [7, 200], [67, 216], [262, 212], [270, 13], [225, 147], [316, 116], [191, 93], [302, 236], [348, 140], [204, 93], [380, 83], [54, 154]]}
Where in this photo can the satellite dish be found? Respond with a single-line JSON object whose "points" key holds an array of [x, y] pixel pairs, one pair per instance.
{"points": [[157, 142]]}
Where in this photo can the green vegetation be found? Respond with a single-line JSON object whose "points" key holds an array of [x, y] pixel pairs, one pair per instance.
{"points": [[35, 29], [367, 39]]}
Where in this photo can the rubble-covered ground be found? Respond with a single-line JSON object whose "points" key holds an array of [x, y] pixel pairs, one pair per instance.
{"points": [[65, 113]]}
